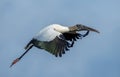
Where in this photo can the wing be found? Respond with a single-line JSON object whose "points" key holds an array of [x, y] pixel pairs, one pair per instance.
{"points": [[58, 46], [73, 36]]}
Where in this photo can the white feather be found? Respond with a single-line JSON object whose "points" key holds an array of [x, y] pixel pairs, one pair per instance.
{"points": [[47, 34]]}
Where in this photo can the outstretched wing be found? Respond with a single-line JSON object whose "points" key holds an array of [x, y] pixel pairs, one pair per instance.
{"points": [[73, 36], [58, 46]]}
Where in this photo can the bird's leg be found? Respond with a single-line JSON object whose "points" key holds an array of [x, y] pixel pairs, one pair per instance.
{"points": [[29, 44], [16, 60]]}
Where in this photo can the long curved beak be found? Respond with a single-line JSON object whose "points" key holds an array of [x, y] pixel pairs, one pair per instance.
{"points": [[89, 29], [80, 27]]}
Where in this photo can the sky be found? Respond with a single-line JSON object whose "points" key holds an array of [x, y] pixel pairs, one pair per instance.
{"points": [[97, 55]]}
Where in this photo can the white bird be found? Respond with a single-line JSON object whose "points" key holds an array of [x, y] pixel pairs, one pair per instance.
{"points": [[56, 39]]}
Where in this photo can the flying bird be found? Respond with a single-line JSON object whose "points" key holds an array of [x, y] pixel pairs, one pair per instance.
{"points": [[56, 39]]}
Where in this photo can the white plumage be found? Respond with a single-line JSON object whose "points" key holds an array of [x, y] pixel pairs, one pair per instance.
{"points": [[50, 32], [56, 39]]}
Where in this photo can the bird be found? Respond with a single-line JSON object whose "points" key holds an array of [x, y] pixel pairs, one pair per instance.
{"points": [[56, 39]]}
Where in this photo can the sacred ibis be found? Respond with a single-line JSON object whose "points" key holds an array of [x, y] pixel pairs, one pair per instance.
{"points": [[56, 39]]}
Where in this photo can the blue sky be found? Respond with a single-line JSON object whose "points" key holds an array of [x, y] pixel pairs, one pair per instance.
{"points": [[97, 55]]}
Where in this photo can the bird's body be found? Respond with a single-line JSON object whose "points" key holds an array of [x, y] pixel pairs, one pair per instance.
{"points": [[50, 32], [56, 39]]}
